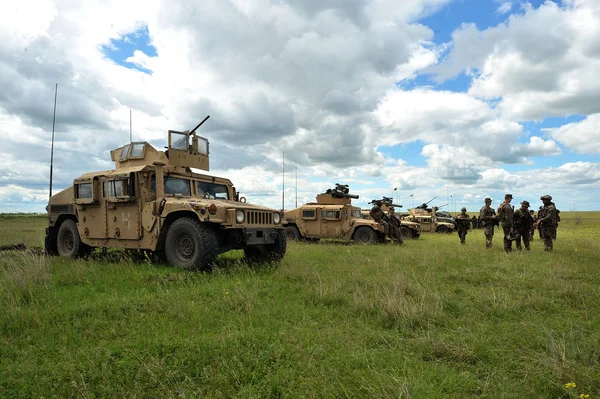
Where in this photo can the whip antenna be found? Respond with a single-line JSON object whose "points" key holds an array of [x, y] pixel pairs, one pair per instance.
{"points": [[52, 147]]}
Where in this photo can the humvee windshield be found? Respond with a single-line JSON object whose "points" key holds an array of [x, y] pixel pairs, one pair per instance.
{"points": [[212, 191], [174, 185]]}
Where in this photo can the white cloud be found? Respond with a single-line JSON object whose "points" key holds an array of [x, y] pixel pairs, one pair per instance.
{"points": [[504, 8], [540, 63], [581, 137]]}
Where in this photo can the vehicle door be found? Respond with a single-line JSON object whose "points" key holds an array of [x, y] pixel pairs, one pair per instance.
{"points": [[426, 224], [122, 207], [331, 225], [308, 223], [89, 208]]}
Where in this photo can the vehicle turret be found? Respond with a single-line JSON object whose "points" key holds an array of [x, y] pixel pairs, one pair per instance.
{"points": [[339, 195]]}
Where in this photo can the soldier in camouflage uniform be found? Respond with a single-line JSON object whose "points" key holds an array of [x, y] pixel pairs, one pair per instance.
{"points": [[506, 213], [523, 224], [534, 219], [488, 220], [380, 217], [547, 221], [540, 227], [395, 223], [462, 224]]}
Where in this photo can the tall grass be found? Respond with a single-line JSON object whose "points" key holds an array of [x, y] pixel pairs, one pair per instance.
{"points": [[429, 319]]}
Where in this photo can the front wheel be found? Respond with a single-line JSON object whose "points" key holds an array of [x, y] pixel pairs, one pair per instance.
{"points": [[365, 235], [68, 241], [190, 245], [442, 229], [292, 233]]}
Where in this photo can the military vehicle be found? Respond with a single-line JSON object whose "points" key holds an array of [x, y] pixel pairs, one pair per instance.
{"points": [[431, 224], [424, 210], [408, 229], [153, 201], [332, 216]]}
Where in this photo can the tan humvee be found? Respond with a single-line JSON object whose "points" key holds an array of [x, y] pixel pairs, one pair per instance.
{"points": [[431, 223], [153, 201], [332, 216], [408, 229]]}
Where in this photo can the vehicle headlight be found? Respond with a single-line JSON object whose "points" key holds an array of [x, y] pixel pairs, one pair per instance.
{"points": [[239, 216], [276, 217]]}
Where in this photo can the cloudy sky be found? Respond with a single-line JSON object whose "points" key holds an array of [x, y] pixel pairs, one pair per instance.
{"points": [[454, 99]]}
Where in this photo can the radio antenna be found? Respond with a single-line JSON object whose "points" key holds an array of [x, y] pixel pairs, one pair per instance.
{"points": [[52, 147], [130, 129]]}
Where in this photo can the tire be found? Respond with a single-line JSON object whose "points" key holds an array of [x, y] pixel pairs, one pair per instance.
{"points": [[365, 235], [405, 232], [191, 245], [292, 233], [442, 229], [68, 241], [267, 252]]}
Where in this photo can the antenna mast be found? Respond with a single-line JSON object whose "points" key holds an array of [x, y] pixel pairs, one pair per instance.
{"points": [[296, 186], [52, 147], [283, 181], [130, 130]]}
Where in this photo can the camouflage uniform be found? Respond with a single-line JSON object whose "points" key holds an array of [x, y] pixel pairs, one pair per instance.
{"points": [[474, 222], [523, 224], [534, 219], [462, 225], [540, 227], [506, 213], [488, 219], [395, 226], [548, 222], [380, 217]]}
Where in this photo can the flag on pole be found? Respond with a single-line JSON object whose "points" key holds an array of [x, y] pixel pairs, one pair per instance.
{"points": [[395, 188]]}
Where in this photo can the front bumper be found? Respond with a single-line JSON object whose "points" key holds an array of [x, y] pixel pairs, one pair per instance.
{"points": [[258, 236]]}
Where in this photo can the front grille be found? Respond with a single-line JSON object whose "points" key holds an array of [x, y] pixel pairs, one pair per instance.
{"points": [[257, 217]]}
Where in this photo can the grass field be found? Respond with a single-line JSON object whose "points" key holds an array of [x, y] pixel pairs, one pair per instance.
{"points": [[429, 319]]}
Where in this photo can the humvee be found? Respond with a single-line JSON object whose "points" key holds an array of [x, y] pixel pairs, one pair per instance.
{"points": [[153, 201], [332, 216], [407, 228], [431, 223]]}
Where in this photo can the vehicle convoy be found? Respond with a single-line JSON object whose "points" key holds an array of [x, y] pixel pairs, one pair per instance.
{"points": [[332, 216], [153, 201], [408, 229]]}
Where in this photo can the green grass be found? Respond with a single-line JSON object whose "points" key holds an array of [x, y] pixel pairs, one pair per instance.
{"points": [[428, 319]]}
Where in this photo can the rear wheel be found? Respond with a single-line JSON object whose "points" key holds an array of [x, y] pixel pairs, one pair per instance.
{"points": [[267, 252], [190, 245], [365, 235], [292, 233], [68, 241], [405, 232]]}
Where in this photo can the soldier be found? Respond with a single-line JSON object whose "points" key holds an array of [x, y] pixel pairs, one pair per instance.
{"points": [[462, 224], [534, 219], [505, 212], [395, 222], [474, 222], [488, 221], [523, 224], [547, 222], [380, 217], [540, 227]]}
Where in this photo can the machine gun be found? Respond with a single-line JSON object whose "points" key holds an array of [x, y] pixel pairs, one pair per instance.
{"points": [[340, 191], [424, 205], [387, 201]]}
